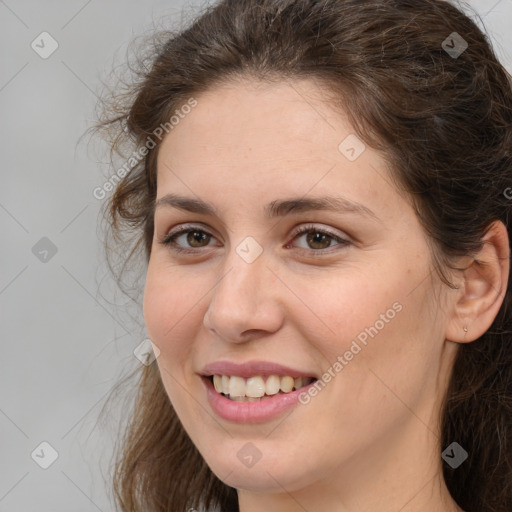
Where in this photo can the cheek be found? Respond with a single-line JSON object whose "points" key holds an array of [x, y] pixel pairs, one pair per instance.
{"points": [[172, 316], [171, 309], [344, 305], [374, 336]]}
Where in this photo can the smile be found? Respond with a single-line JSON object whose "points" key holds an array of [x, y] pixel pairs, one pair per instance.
{"points": [[257, 388], [238, 408]]}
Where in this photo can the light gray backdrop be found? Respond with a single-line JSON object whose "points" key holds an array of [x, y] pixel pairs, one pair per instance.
{"points": [[64, 341]]}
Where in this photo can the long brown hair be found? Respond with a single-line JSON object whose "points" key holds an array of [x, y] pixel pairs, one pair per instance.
{"points": [[439, 111]]}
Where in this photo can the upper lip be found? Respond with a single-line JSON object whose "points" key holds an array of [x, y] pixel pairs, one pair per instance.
{"points": [[251, 369]]}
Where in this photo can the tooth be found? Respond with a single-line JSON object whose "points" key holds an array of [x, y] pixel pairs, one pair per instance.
{"points": [[217, 383], [236, 386], [225, 384], [286, 384], [237, 398], [252, 399], [298, 382], [273, 385], [255, 387]]}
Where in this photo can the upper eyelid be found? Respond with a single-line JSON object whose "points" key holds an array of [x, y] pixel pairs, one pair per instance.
{"points": [[304, 228], [184, 228], [200, 227], [299, 230]]}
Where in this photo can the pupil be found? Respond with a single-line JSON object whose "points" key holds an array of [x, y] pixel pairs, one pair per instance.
{"points": [[196, 237], [318, 238]]}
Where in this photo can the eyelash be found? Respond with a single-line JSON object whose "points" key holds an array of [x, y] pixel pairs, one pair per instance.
{"points": [[171, 237]]}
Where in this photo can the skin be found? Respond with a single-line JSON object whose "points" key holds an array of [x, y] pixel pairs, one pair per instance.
{"points": [[369, 440]]}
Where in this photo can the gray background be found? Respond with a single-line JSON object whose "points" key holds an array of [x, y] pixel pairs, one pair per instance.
{"points": [[66, 338]]}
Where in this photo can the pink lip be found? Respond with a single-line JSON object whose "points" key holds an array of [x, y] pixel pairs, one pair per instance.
{"points": [[251, 369], [251, 412]]}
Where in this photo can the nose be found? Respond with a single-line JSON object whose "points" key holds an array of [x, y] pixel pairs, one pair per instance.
{"points": [[244, 304]]}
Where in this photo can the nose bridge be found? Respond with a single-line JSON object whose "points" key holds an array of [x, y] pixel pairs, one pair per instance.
{"points": [[243, 300]]}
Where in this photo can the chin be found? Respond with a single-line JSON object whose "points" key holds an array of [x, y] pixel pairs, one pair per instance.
{"points": [[254, 480], [264, 476]]}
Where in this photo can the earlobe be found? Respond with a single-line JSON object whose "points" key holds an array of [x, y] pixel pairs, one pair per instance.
{"points": [[482, 289]]}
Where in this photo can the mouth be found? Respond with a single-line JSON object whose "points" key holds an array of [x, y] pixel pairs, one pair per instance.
{"points": [[257, 388]]}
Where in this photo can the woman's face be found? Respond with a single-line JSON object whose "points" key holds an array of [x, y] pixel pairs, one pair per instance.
{"points": [[353, 297]]}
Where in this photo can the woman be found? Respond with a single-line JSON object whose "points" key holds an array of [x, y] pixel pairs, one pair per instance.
{"points": [[319, 189]]}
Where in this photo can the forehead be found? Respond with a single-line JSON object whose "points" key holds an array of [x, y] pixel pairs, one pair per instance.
{"points": [[268, 141], [272, 121]]}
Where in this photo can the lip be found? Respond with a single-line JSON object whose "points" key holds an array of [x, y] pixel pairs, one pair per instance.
{"points": [[251, 412], [252, 369]]}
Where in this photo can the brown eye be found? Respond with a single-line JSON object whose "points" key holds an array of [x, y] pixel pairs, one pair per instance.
{"points": [[187, 239], [316, 240], [195, 238]]}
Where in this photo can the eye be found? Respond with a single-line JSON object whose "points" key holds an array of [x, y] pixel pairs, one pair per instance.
{"points": [[188, 239], [193, 237], [318, 239]]}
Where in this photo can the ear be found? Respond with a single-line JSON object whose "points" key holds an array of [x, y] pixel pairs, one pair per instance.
{"points": [[482, 288]]}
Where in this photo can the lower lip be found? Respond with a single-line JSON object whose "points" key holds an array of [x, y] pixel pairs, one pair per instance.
{"points": [[251, 412]]}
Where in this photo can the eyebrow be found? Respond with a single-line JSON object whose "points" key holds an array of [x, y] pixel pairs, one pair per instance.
{"points": [[278, 208]]}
